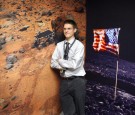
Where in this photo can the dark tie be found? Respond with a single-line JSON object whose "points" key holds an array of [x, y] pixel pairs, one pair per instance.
{"points": [[66, 54], [66, 51]]}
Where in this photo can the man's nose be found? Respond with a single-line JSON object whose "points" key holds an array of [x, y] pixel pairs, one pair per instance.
{"points": [[66, 30]]}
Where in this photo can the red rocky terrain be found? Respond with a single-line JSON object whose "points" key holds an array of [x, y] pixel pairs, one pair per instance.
{"points": [[28, 86]]}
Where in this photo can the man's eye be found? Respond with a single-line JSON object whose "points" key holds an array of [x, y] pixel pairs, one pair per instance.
{"points": [[67, 28]]}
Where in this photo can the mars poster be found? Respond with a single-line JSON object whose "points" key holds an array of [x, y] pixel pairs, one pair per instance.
{"points": [[29, 32]]}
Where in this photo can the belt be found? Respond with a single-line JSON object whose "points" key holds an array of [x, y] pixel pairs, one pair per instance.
{"points": [[72, 77]]}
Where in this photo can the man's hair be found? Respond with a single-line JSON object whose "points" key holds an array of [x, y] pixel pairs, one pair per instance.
{"points": [[72, 22]]}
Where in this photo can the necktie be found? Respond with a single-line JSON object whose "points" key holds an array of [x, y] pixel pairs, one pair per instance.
{"points": [[65, 55], [66, 51]]}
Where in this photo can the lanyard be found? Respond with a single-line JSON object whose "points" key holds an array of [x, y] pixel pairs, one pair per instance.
{"points": [[70, 45]]}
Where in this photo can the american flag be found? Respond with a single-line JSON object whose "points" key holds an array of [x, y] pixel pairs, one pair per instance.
{"points": [[106, 40]]}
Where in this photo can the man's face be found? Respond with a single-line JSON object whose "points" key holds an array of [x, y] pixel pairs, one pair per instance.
{"points": [[69, 31]]}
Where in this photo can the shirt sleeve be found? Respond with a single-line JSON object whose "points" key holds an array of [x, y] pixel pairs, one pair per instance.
{"points": [[55, 58], [75, 61]]}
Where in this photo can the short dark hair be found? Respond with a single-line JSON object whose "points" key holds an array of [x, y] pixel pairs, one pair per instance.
{"points": [[72, 22]]}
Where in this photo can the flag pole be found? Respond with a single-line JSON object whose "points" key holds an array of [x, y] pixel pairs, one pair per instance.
{"points": [[116, 79]]}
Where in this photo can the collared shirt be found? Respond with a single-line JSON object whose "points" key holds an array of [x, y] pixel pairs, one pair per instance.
{"points": [[75, 64]]}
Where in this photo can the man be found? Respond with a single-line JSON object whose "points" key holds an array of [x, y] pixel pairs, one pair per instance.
{"points": [[68, 57]]}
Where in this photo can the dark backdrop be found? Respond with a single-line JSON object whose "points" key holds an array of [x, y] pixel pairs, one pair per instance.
{"points": [[111, 14]]}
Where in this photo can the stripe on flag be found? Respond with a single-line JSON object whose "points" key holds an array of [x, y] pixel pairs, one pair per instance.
{"points": [[106, 40]]}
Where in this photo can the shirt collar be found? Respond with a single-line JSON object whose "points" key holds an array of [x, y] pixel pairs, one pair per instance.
{"points": [[71, 40]]}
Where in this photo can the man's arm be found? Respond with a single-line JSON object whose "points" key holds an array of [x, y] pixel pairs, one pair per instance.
{"points": [[75, 62], [55, 58]]}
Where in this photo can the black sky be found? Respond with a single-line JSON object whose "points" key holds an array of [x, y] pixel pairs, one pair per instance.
{"points": [[111, 14]]}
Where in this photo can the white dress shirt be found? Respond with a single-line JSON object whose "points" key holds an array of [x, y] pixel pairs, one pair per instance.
{"points": [[74, 66]]}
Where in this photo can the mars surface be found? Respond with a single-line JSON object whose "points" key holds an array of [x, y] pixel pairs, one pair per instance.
{"points": [[28, 86]]}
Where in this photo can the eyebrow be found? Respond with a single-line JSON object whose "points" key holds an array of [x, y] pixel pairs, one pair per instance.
{"points": [[67, 28]]}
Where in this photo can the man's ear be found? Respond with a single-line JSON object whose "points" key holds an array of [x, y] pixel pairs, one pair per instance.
{"points": [[75, 30]]}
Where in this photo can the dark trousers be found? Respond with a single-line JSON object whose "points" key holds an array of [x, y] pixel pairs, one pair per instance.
{"points": [[72, 95]]}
